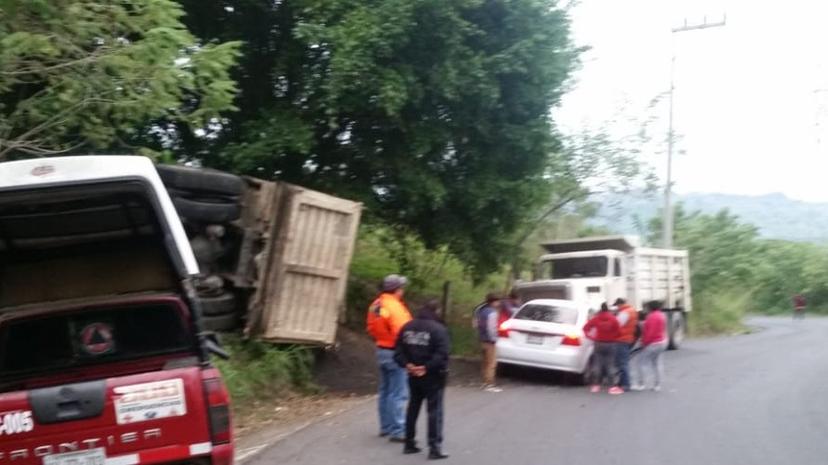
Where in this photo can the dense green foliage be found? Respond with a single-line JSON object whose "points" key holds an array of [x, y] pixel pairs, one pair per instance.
{"points": [[735, 271], [379, 251], [435, 113], [78, 76], [724, 254]]}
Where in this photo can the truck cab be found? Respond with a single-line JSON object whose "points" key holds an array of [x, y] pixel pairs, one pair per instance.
{"points": [[593, 270], [102, 356], [592, 277]]}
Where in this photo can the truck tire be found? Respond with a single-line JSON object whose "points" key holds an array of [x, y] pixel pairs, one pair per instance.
{"points": [[677, 329], [227, 322], [205, 250], [200, 180], [210, 286], [222, 304], [205, 211]]}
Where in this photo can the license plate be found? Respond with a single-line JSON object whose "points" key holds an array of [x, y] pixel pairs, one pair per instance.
{"points": [[534, 339], [86, 457]]}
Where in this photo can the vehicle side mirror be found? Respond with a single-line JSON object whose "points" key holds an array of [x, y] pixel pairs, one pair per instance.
{"points": [[212, 343]]}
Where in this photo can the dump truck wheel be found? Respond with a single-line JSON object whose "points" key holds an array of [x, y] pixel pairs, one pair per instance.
{"points": [[677, 330], [223, 304], [221, 322], [207, 211], [200, 180]]}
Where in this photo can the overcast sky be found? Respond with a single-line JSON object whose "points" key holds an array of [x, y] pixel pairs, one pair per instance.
{"points": [[747, 102]]}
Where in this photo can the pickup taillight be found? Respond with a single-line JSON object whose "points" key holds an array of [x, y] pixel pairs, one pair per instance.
{"points": [[218, 406]]}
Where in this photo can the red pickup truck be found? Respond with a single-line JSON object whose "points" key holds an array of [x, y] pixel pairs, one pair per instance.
{"points": [[102, 357]]}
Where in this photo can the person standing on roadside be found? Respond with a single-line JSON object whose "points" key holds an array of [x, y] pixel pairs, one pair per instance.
{"points": [[654, 343], [628, 321], [508, 307], [603, 328], [386, 316], [423, 348], [487, 321], [799, 304]]}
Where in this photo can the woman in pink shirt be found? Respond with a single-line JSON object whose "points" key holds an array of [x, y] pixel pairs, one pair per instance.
{"points": [[654, 343]]}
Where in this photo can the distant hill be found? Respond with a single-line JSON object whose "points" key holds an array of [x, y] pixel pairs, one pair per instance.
{"points": [[776, 216]]}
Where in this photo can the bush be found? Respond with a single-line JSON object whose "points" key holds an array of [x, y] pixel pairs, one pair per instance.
{"points": [[257, 370], [381, 251], [718, 311]]}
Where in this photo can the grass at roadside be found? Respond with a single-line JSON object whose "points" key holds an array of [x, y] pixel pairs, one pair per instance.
{"points": [[259, 372], [719, 312]]}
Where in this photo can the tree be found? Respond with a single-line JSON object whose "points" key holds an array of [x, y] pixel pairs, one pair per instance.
{"points": [[435, 113], [724, 252], [85, 75], [784, 271], [588, 165]]}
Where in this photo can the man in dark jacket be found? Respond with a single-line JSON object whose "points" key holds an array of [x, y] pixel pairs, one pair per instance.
{"points": [[423, 349]]}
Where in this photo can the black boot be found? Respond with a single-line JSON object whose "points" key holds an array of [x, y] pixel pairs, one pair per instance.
{"points": [[436, 454], [411, 448]]}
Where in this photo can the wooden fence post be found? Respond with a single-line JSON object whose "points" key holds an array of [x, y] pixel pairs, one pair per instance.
{"points": [[446, 300]]}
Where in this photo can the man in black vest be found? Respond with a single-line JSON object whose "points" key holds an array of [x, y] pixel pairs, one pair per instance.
{"points": [[423, 349]]}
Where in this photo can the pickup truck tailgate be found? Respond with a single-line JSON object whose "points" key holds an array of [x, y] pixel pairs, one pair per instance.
{"points": [[141, 419]]}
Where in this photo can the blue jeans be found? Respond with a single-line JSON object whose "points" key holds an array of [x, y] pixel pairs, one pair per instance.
{"points": [[622, 364], [605, 363], [651, 362], [393, 394]]}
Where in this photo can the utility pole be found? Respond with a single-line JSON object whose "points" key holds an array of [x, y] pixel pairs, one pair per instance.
{"points": [[667, 220]]}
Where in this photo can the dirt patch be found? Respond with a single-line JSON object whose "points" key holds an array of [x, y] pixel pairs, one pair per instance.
{"points": [[351, 369], [344, 374], [295, 408]]}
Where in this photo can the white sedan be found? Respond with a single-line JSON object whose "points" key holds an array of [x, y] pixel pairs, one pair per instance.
{"points": [[546, 333]]}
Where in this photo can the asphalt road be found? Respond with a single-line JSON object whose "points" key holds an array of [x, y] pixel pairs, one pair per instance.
{"points": [[753, 399]]}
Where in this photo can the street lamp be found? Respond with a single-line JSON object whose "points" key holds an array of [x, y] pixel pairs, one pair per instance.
{"points": [[667, 220]]}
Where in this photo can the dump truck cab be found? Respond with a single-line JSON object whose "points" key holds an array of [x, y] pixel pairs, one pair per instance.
{"points": [[595, 270]]}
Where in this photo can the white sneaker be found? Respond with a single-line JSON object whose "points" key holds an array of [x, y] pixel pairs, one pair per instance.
{"points": [[492, 388], [656, 388], [636, 388]]}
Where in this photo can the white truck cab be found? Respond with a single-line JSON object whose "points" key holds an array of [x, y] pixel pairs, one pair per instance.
{"points": [[596, 270]]}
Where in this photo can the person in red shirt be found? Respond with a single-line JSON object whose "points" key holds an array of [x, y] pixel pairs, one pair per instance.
{"points": [[604, 329], [653, 343], [799, 306], [508, 307]]}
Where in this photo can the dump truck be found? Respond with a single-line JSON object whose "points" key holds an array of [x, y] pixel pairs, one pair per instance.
{"points": [[595, 270], [274, 257]]}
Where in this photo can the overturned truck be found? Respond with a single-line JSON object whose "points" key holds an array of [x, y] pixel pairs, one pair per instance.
{"points": [[274, 257]]}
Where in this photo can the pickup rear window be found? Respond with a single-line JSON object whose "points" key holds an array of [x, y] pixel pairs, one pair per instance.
{"points": [[548, 314], [66, 340]]}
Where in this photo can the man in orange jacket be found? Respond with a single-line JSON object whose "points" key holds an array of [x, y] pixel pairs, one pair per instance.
{"points": [[628, 320], [386, 316]]}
